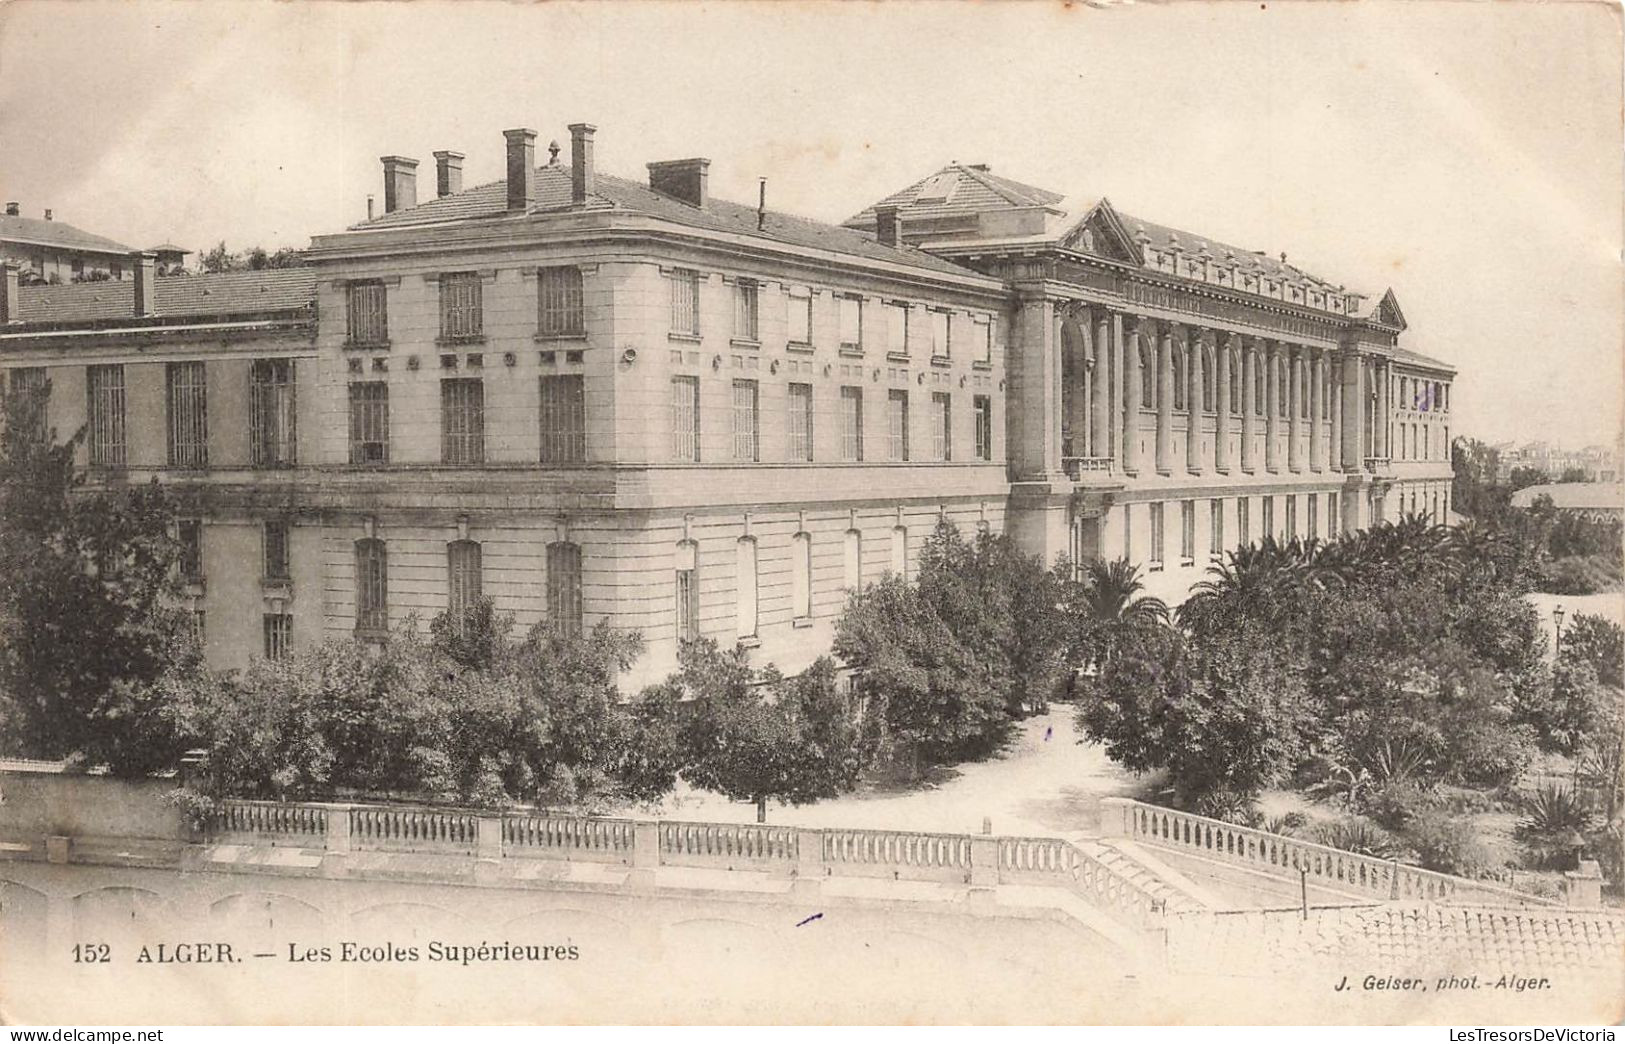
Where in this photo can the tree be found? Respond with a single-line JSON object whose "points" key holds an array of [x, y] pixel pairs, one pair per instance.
{"points": [[1524, 477], [254, 259], [1598, 641], [89, 625], [1575, 475], [1474, 491], [761, 736]]}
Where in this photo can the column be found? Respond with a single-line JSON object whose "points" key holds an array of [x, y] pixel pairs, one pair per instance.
{"points": [[1221, 429], [1100, 421], [1317, 406], [1272, 407], [1249, 377], [1353, 398], [1335, 452], [1034, 401], [1114, 422], [1294, 407], [1385, 379], [1165, 395], [1193, 399], [1131, 395]]}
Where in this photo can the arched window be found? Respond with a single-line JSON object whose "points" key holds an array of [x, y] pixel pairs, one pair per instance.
{"points": [[899, 551], [745, 587], [564, 587], [463, 580], [801, 576], [1148, 377], [1210, 401], [687, 610], [852, 561], [371, 586], [1182, 377]]}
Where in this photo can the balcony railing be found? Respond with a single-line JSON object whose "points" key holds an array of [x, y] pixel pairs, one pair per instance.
{"points": [[1377, 463], [1077, 467]]}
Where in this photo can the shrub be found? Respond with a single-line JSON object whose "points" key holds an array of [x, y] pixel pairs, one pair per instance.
{"points": [[1553, 827], [1287, 824], [1581, 575], [1397, 805], [1360, 836], [1448, 845]]}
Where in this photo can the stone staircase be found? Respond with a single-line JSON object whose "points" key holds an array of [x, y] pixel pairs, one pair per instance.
{"points": [[1177, 893]]}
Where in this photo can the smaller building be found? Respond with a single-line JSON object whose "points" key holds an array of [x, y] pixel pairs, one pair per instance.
{"points": [[171, 258], [1599, 500], [50, 251]]}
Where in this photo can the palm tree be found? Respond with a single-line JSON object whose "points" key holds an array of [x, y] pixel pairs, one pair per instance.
{"points": [[1254, 581], [1107, 602]]}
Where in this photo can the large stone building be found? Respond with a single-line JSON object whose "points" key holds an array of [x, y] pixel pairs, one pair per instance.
{"points": [[590, 398]]}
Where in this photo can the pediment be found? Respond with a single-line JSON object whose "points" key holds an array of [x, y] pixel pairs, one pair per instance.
{"points": [[1388, 313], [1101, 232]]}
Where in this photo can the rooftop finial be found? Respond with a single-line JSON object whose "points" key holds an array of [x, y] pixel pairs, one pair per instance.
{"points": [[553, 153]]}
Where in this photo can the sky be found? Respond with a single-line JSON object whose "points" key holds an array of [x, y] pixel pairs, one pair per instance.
{"points": [[1467, 155]]}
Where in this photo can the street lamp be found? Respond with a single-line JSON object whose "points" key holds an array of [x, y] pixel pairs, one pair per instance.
{"points": [[1557, 621]]}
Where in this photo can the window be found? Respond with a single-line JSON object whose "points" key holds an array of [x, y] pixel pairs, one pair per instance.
{"points": [[984, 341], [564, 419], [1331, 515], [369, 422], [1269, 518], [685, 418], [1128, 532], [801, 422], [982, 405], [30, 392], [190, 534], [461, 317], [899, 551], [747, 300], [1148, 378], [1283, 404], [561, 307], [685, 301], [274, 538], [1427, 452], [897, 423], [272, 413], [1215, 536], [746, 421], [745, 587], [897, 329], [1305, 377], [1210, 402], [463, 580], [800, 317], [1182, 377], [941, 334], [942, 430], [104, 392], [1244, 527], [1156, 536], [564, 588], [366, 314], [462, 420], [1187, 531], [1260, 378], [278, 635], [371, 586], [688, 592], [852, 560], [188, 402], [851, 423], [801, 576], [1291, 516], [1311, 505], [851, 322], [1235, 382]]}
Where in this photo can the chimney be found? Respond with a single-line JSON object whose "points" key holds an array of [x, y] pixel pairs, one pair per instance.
{"points": [[889, 226], [682, 179], [448, 173], [14, 209], [369, 206], [761, 205], [581, 174], [144, 266], [47, 213], [8, 293], [521, 167], [400, 183]]}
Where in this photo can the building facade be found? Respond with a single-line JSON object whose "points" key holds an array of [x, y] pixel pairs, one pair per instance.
{"points": [[592, 399], [49, 251]]}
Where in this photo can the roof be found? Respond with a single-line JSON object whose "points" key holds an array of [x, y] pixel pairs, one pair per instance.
{"points": [[970, 189], [1575, 496], [167, 248], [223, 294], [552, 191], [1405, 355], [38, 232]]}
